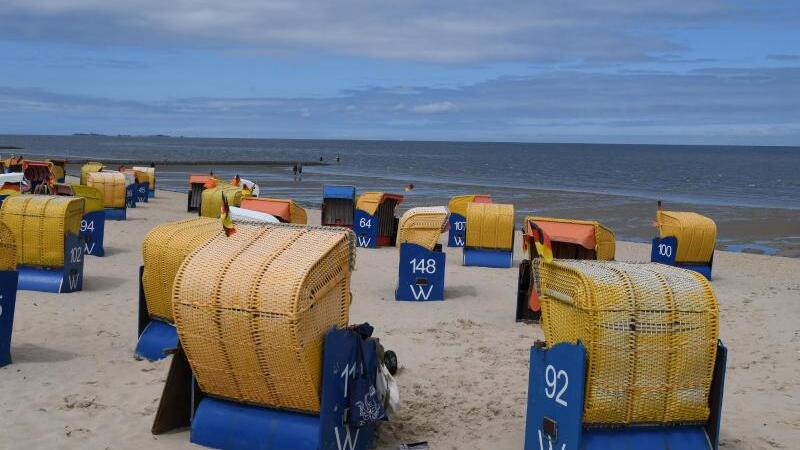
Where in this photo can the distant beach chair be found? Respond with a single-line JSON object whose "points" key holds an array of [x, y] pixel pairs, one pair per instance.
{"points": [[50, 250], [59, 169], [163, 250], [151, 173], [37, 172], [285, 210], [685, 239], [458, 217], [374, 222], [86, 169], [292, 372], [631, 358], [211, 199], [422, 262], [570, 239], [10, 184], [490, 235], [8, 290], [196, 185], [338, 205], [92, 230], [112, 187]]}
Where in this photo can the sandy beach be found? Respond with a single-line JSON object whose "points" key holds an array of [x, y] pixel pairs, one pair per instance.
{"points": [[74, 382]]}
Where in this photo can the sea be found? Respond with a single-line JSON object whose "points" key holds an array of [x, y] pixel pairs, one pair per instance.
{"points": [[752, 192]]}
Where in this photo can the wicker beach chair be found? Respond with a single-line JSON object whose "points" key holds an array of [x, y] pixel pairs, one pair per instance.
{"points": [[111, 185], [252, 311], [650, 331], [423, 226], [8, 248]]}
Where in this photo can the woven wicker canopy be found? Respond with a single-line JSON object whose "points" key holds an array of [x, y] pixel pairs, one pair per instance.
{"points": [[252, 310], [650, 331], [423, 226], [8, 248], [490, 226], [163, 250], [39, 224], [369, 201], [458, 204], [111, 185], [89, 168], [697, 235], [212, 199]]}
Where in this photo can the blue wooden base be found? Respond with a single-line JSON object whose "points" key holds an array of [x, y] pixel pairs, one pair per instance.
{"points": [[130, 196], [421, 274], [142, 192], [502, 259], [93, 227], [365, 226], [60, 279], [8, 299], [116, 213], [664, 251], [235, 426], [555, 410], [458, 231], [151, 194], [157, 341]]}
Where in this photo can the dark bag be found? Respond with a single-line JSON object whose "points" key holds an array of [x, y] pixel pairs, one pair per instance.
{"points": [[365, 406]]}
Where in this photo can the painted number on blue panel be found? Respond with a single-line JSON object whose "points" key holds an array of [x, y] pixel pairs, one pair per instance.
{"points": [[423, 265], [459, 226], [75, 254], [665, 250], [344, 440], [87, 225], [365, 223]]}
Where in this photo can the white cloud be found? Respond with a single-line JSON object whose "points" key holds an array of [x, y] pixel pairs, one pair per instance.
{"points": [[434, 108]]}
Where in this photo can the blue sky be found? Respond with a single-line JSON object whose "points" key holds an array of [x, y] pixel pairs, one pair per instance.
{"points": [[629, 71]]}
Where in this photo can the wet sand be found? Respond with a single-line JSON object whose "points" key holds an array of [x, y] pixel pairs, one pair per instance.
{"points": [[464, 362]]}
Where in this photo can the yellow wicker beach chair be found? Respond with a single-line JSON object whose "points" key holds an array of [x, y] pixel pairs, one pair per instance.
{"points": [[163, 250], [650, 331], [285, 210], [151, 175], [423, 226], [211, 199], [458, 204], [252, 311], [8, 248], [89, 168], [490, 226], [111, 185], [696, 234], [39, 224]]}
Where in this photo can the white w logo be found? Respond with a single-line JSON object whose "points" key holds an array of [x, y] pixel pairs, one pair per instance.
{"points": [[419, 292], [348, 443], [88, 249], [364, 241], [73, 281], [549, 443], [458, 240]]}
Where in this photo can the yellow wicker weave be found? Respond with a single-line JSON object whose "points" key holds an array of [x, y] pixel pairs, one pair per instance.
{"points": [[458, 204], [89, 168], [650, 331], [151, 175], [163, 250], [92, 196], [58, 171], [252, 311], [8, 249], [423, 226], [111, 185], [697, 235], [39, 224], [490, 226], [212, 199]]}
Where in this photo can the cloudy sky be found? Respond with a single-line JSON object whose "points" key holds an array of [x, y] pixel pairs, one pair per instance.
{"points": [[639, 71]]}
